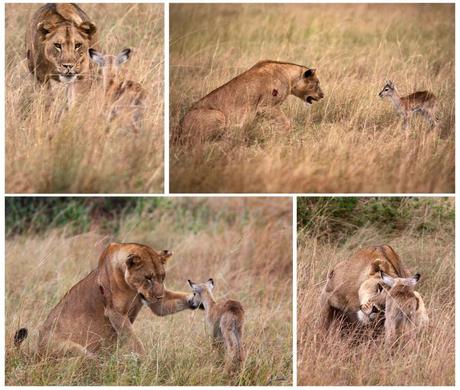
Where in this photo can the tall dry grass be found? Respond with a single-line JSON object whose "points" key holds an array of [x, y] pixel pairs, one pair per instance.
{"points": [[244, 244], [50, 150], [343, 360], [351, 141]]}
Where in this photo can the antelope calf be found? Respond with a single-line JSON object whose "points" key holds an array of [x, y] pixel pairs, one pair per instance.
{"points": [[225, 320], [422, 102], [124, 98], [405, 312]]}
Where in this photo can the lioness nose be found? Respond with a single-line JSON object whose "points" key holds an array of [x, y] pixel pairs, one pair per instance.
{"points": [[67, 66], [375, 309]]}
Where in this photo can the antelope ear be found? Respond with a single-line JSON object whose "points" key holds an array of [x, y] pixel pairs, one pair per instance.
{"points": [[165, 255], [210, 284], [387, 279], [96, 57], [133, 261], [45, 27], [123, 56], [413, 280], [88, 28], [191, 284], [309, 73], [379, 288]]}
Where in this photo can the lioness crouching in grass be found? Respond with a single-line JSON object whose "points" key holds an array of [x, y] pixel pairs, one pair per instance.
{"points": [[340, 296], [99, 310], [225, 321], [259, 90]]}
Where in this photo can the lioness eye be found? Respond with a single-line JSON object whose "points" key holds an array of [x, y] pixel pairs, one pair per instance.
{"points": [[77, 46], [57, 46]]}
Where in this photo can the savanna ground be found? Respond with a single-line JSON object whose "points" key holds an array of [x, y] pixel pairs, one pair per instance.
{"points": [[49, 150], [421, 230], [244, 244], [351, 141]]}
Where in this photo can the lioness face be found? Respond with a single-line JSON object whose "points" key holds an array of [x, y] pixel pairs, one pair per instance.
{"points": [[372, 296], [66, 48], [307, 88], [145, 273]]}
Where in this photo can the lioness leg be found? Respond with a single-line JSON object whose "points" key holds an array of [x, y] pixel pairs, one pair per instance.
{"points": [[57, 347], [125, 331], [171, 303], [202, 124], [279, 118]]}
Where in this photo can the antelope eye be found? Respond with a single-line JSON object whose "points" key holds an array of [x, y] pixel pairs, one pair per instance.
{"points": [[78, 46], [57, 46]]}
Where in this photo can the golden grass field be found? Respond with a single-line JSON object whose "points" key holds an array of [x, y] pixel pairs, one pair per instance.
{"points": [[351, 141], [343, 360], [244, 244], [50, 150]]}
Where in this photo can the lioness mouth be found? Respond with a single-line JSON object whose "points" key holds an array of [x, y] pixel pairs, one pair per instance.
{"points": [[310, 99], [67, 78]]}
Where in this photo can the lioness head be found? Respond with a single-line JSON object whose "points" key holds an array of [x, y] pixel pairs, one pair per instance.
{"points": [[372, 296], [145, 272], [66, 48], [307, 87]]}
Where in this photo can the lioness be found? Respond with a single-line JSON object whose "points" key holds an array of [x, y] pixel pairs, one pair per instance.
{"points": [[340, 295], [100, 309], [57, 41], [259, 90]]}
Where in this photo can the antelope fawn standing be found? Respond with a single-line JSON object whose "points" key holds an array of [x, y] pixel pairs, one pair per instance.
{"points": [[124, 98], [225, 320], [405, 312], [422, 102]]}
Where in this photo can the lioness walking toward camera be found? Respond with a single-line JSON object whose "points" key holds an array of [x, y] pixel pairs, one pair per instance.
{"points": [[405, 312], [99, 310], [124, 99], [225, 320], [422, 102], [259, 90]]}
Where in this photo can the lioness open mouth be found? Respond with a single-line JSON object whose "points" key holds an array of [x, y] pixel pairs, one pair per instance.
{"points": [[310, 99]]}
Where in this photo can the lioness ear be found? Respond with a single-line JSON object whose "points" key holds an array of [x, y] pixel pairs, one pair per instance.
{"points": [[88, 28], [309, 73], [133, 261], [96, 57], [387, 279], [123, 56], [44, 27], [165, 255]]}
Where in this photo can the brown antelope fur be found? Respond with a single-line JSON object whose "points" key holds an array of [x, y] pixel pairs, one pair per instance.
{"points": [[99, 311], [340, 295], [260, 90], [405, 312], [124, 98], [422, 102], [224, 319]]}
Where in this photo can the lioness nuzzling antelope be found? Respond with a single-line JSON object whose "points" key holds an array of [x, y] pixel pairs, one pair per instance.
{"points": [[422, 102], [225, 319], [124, 98]]}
